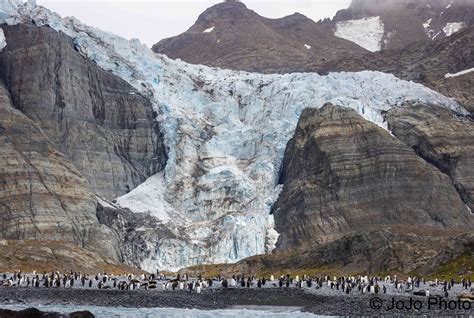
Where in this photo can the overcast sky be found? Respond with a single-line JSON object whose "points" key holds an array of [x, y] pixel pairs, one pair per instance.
{"points": [[153, 20]]}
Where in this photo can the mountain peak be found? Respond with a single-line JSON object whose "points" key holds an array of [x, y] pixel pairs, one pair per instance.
{"points": [[230, 35], [234, 9]]}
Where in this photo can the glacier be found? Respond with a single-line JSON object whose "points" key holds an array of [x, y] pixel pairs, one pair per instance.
{"points": [[225, 133]]}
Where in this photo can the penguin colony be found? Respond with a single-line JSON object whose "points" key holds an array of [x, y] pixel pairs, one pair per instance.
{"points": [[347, 285]]}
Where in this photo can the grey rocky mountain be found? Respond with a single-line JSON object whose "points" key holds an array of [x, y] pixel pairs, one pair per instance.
{"points": [[442, 139], [229, 35], [344, 175], [42, 194], [69, 131], [97, 120]]}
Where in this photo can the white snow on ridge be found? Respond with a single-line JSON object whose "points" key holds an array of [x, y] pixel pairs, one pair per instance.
{"points": [[209, 30], [367, 32], [427, 25], [226, 132], [453, 27], [459, 73]]}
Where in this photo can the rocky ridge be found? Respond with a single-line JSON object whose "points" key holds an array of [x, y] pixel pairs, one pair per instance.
{"points": [[70, 130], [228, 35], [442, 139], [97, 120], [342, 174], [42, 194]]}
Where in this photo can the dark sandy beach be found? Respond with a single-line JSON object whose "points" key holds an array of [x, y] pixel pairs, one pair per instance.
{"points": [[340, 305]]}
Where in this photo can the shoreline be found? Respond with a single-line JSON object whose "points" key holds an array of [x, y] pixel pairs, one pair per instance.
{"points": [[214, 299]]}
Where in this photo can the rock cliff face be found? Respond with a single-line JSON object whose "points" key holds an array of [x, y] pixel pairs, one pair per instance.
{"points": [[42, 194], [228, 35], [68, 130], [343, 174], [441, 138], [96, 119]]}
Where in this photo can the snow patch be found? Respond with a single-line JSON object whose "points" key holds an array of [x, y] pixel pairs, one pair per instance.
{"points": [[427, 25], [459, 73], [148, 197], [453, 27], [272, 234], [367, 32], [3, 40], [209, 30], [307, 46]]}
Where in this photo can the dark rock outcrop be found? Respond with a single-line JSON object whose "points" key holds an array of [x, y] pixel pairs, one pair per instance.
{"points": [[344, 175], [42, 194], [36, 313], [441, 138], [97, 120], [228, 35]]}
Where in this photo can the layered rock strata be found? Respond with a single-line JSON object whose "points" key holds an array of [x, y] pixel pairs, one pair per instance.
{"points": [[343, 174]]}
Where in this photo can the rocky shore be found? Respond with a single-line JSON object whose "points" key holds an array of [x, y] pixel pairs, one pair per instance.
{"points": [[212, 299]]}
